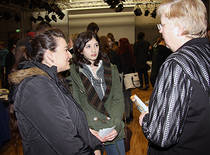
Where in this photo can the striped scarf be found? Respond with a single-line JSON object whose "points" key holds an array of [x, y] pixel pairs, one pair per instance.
{"points": [[93, 98]]}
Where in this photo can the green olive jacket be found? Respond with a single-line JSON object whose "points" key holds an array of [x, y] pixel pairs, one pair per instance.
{"points": [[114, 104]]}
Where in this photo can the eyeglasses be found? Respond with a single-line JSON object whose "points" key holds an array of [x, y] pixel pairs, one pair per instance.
{"points": [[159, 26]]}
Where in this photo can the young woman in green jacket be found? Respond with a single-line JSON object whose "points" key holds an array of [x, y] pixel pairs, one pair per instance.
{"points": [[96, 86]]}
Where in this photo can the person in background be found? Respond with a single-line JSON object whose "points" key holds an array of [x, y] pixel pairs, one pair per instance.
{"points": [[23, 46], [10, 61], [126, 66], [141, 50], [96, 86], [70, 45], [93, 27], [3, 54], [126, 56], [105, 48], [111, 36], [41, 27], [179, 108], [49, 120], [113, 45], [160, 53]]}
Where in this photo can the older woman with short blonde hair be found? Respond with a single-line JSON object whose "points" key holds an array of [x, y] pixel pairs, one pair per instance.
{"points": [[179, 109]]}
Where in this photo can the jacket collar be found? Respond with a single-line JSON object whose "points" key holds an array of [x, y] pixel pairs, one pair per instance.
{"points": [[196, 41], [51, 71], [32, 68]]}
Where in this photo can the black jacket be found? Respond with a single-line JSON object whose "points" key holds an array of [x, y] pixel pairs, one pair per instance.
{"points": [[49, 120], [178, 122], [159, 55], [141, 49]]}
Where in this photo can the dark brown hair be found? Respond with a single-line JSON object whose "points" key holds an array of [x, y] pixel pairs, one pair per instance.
{"points": [[93, 27], [79, 45], [104, 44], [45, 41]]}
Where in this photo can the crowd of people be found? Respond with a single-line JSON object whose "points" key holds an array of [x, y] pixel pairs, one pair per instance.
{"points": [[61, 113]]}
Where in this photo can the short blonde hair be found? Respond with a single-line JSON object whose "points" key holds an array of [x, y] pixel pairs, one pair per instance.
{"points": [[191, 15]]}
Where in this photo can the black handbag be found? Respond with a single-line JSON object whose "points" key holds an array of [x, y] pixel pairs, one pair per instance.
{"points": [[128, 135]]}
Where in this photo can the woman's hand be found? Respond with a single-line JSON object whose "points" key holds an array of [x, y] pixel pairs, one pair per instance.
{"points": [[95, 133], [141, 117], [97, 152], [111, 136]]}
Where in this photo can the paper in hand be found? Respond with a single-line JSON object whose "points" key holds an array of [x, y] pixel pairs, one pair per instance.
{"points": [[103, 132]]}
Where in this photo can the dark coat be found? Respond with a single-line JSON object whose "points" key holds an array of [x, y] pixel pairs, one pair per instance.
{"points": [[178, 122], [141, 49], [49, 119], [114, 58], [159, 55]]}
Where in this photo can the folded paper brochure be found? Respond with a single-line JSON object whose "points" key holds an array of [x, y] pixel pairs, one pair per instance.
{"points": [[104, 132], [140, 105]]}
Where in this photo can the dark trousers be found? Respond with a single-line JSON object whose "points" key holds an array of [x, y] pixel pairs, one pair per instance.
{"points": [[2, 76], [146, 77]]}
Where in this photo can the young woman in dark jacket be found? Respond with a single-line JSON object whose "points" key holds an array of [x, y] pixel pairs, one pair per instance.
{"points": [[49, 120]]}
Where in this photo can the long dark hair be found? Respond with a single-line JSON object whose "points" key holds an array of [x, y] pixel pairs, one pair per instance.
{"points": [[125, 46], [104, 44], [79, 45], [45, 41]]}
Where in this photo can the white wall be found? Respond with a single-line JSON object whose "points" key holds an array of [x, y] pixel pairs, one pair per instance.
{"points": [[148, 26], [120, 24]]}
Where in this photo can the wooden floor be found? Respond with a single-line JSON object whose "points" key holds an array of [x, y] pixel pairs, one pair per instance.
{"points": [[138, 144]]}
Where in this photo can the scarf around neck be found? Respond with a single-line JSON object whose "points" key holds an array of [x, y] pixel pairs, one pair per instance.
{"points": [[93, 98]]}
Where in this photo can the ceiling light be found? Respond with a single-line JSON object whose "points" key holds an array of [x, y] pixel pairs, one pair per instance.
{"points": [[112, 3], [47, 18], [119, 8], [39, 18], [137, 11], [61, 15], [153, 14], [146, 13], [54, 18]]}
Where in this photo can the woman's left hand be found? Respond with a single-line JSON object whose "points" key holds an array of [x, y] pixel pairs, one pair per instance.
{"points": [[141, 117]]}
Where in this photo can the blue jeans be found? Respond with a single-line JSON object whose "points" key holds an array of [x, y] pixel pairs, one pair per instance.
{"points": [[117, 148]]}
